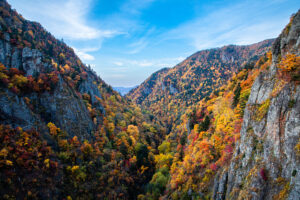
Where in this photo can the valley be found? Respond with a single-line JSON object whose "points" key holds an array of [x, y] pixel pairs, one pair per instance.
{"points": [[222, 124]]}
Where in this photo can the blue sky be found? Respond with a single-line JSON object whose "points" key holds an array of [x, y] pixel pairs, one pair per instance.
{"points": [[125, 41]]}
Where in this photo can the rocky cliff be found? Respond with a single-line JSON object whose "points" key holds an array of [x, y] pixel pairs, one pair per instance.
{"points": [[266, 162], [21, 51]]}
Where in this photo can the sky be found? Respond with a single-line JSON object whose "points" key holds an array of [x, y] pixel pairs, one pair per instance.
{"points": [[125, 41]]}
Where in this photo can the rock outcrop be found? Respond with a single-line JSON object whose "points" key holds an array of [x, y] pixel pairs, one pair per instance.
{"points": [[62, 107], [265, 164]]}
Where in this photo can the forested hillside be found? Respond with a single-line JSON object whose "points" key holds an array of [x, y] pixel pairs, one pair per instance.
{"points": [[168, 92]]}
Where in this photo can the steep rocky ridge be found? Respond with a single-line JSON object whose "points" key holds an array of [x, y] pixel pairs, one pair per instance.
{"points": [[266, 164]]}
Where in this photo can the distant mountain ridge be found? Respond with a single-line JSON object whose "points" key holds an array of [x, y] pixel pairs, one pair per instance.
{"points": [[230, 57], [124, 90], [194, 78]]}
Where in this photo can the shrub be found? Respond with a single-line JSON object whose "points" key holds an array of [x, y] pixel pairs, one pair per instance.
{"points": [[53, 129], [290, 63], [262, 110], [292, 103], [141, 154], [297, 148], [237, 93], [283, 194], [165, 147]]}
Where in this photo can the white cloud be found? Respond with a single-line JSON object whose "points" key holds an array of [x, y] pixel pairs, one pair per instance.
{"points": [[84, 56], [65, 19], [241, 23], [83, 53], [164, 62], [118, 63]]}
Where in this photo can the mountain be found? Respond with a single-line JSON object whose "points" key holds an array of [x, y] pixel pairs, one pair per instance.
{"points": [[65, 133], [243, 141], [123, 90], [168, 92]]}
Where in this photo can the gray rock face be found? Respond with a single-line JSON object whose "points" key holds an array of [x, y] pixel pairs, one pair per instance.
{"points": [[173, 90], [31, 60], [220, 188], [90, 88], [62, 106], [265, 163], [163, 87], [5, 52], [14, 111], [67, 111]]}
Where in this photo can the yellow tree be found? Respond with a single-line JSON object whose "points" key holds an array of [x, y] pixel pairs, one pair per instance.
{"points": [[53, 129], [133, 131]]}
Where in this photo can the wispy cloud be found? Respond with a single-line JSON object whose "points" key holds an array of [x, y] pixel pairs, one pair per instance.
{"points": [[240, 23], [84, 53], [138, 46], [135, 6], [118, 63], [65, 19], [164, 62], [69, 20], [141, 42], [130, 72], [126, 21], [117, 75]]}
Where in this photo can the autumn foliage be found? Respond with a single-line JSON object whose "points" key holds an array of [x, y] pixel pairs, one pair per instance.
{"points": [[290, 66], [205, 139]]}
